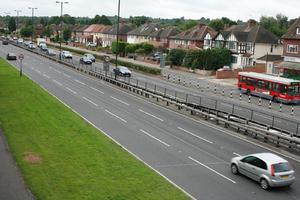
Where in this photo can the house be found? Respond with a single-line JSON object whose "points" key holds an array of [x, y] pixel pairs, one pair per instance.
{"points": [[291, 51], [247, 42], [142, 33], [110, 35], [95, 33], [161, 38], [192, 38], [78, 33], [271, 62]]}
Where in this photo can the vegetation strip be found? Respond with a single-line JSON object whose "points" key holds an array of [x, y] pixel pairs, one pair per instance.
{"points": [[63, 157]]}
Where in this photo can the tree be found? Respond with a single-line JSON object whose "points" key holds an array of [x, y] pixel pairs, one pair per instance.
{"points": [[67, 34], [176, 56], [12, 24], [26, 32], [101, 20], [121, 47], [48, 31], [278, 25], [216, 24], [148, 48], [138, 20]]}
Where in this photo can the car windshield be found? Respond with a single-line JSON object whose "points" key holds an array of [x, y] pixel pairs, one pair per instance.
{"points": [[282, 167]]}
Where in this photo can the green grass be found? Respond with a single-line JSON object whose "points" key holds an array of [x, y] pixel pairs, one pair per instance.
{"points": [[77, 161]]}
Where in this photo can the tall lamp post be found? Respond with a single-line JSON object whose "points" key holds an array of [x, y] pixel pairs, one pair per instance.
{"points": [[18, 11], [32, 14], [118, 27], [61, 15]]}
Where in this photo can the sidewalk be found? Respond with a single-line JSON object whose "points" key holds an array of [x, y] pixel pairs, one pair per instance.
{"points": [[12, 186]]}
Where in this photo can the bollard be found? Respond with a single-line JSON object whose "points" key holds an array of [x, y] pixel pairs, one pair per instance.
{"points": [[270, 104], [249, 99], [198, 84], [240, 96], [183, 82], [280, 107], [230, 93], [292, 110], [190, 83], [223, 92], [215, 89], [259, 101], [207, 85], [168, 76]]}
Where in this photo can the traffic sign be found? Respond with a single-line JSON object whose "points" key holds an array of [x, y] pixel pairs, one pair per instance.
{"points": [[21, 56]]}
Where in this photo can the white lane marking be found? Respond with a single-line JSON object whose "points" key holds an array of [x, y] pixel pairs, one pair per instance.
{"points": [[90, 101], [151, 115], [71, 90], [97, 90], [45, 75], [207, 167], [236, 154], [66, 75], [58, 83], [119, 101], [38, 71], [123, 120], [197, 136], [164, 143], [57, 71], [79, 82], [262, 116]]}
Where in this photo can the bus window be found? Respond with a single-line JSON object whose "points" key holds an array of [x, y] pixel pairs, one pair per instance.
{"points": [[293, 90], [261, 84]]}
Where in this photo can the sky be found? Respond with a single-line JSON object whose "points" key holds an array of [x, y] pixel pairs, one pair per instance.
{"points": [[190, 9]]}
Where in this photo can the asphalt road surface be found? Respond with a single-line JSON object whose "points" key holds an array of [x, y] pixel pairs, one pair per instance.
{"points": [[194, 155]]}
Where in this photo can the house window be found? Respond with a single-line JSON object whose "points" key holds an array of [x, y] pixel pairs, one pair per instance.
{"points": [[292, 48], [232, 45], [234, 59], [298, 31]]}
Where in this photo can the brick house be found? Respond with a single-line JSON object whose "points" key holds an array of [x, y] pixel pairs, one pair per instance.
{"points": [[161, 37], [142, 33], [192, 38], [110, 35], [291, 52]]}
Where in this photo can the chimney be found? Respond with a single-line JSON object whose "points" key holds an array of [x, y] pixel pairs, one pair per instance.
{"points": [[251, 23], [200, 25]]}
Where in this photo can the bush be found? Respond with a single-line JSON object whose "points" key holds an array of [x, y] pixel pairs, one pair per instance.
{"points": [[121, 47], [176, 56]]}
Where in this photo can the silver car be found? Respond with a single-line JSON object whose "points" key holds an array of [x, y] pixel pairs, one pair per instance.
{"points": [[268, 169]]}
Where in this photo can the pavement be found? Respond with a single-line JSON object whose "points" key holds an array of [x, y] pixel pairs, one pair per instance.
{"points": [[192, 154], [12, 186]]}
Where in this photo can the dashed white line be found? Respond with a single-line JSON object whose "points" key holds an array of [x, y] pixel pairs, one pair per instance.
{"points": [[90, 101], [66, 75], [236, 154], [57, 71], [58, 83], [79, 82], [71, 90], [197, 136], [196, 161], [151, 115], [164, 143], [123, 120], [97, 90], [119, 101], [45, 75], [38, 71]]}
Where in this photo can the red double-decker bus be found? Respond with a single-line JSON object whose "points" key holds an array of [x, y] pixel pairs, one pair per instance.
{"points": [[271, 87]]}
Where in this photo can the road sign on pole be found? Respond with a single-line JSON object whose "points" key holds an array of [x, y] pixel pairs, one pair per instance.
{"points": [[21, 57]]}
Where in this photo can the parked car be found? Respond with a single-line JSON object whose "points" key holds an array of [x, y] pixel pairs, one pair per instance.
{"points": [[268, 169], [50, 52], [86, 60], [28, 42], [11, 56], [31, 46], [155, 56], [90, 56], [91, 44], [15, 38], [122, 71], [20, 41], [131, 55], [66, 55], [43, 47], [5, 42]]}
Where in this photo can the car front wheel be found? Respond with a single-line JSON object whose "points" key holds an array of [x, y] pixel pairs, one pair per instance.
{"points": [[234, 169]]}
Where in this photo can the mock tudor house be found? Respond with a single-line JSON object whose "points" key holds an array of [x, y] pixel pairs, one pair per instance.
{"points": [[142, 33], [247, 42], [110, 35], [95, 33], [291, 51], [161, 37], [192, 38]]}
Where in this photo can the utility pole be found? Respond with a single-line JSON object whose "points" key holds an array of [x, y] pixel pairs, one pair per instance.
{"points": [[61, 20], [118, 27], [18, 11], [32, 14]]}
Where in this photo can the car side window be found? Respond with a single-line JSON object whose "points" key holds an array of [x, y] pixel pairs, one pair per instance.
{"points": [[260, 164], [249, 159]]}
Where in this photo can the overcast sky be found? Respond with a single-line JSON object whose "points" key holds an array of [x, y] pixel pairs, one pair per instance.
{"points": [[193, 9]]}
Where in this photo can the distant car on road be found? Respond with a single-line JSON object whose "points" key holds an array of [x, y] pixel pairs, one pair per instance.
{"points": [[91, 44], [20, 41], [268, 169], [28, 42], [90, 56], [5, 42], [122, 71], [31, 46], [11, 56], [43, 47], [66, 55], [50, 52], [86, 60]]}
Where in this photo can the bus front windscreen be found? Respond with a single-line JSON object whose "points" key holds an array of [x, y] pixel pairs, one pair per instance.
{"points": [[294, 89]]}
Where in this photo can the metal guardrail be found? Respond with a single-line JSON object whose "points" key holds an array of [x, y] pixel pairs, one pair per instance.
{"points": [[233, 116]]}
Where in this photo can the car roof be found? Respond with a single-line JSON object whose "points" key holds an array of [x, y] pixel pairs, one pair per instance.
{"points": [[269, 158], [12, 54]]}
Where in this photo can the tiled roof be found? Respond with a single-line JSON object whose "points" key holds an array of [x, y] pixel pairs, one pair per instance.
{"points": [[97, 28], [144, 30], [291, 32], [165, 32], [79, 27], [271, 58], [198, 32], [123, 29]]}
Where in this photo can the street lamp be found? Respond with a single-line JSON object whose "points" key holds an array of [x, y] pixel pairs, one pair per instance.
{"points": [[118, 27], [61, 15], [18, 11], [32, 14]]}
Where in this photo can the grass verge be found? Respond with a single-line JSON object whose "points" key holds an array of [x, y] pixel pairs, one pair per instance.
{"points": [[63, 157]]}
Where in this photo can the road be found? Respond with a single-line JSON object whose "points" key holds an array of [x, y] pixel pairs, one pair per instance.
{"points": [[192, 154]]}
